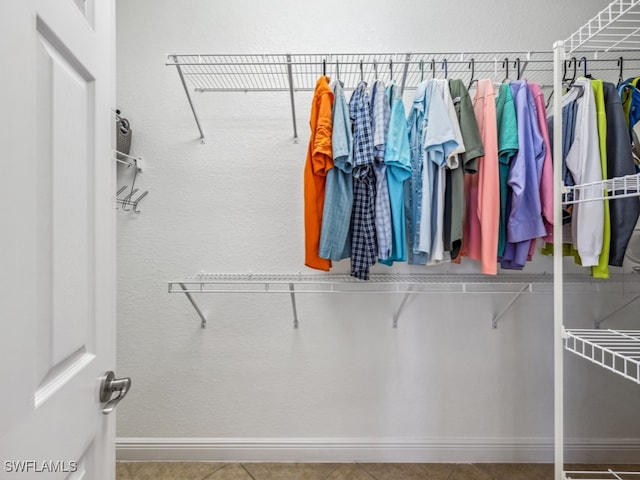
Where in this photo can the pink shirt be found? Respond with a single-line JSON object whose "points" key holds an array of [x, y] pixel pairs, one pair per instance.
{"points": [[480, 241], [546, 180]]}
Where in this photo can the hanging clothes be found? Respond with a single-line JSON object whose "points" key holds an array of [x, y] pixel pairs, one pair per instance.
{"points": [[413, 187], [397, 157], [363, 240], [583, 161], [380, 115], [624, 211], [335, 238], [319, 161], [441, 234], [525, 220], [468, 164], [601, 270], [482, 191], [507, 149], [439, 143]]}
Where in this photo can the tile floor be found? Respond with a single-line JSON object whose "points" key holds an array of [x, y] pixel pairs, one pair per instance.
{"points": [[344, 471]]}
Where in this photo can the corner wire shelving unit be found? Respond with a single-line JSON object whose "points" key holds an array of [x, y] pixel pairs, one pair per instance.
{"points": [[614, 29]]}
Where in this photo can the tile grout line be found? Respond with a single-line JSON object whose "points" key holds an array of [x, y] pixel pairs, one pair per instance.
{"points": [[215, 471], [248, 472], [368, 472]]}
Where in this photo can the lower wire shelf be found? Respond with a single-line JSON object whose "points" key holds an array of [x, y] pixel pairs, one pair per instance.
{"points": [[615, 350], [602, 475]]}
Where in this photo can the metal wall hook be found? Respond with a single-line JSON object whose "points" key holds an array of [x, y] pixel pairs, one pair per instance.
{"points": [[621, 66], [505, 65], [583, 62], [472, 66]]}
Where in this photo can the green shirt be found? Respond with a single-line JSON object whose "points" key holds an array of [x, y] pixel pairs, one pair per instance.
{"points": [[602, 269], [469, 159]]}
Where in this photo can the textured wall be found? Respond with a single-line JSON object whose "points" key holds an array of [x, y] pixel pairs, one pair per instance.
{"points": [[234, 205]]}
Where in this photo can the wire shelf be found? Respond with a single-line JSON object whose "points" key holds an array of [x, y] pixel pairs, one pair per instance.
{"points": [[603, 475], [615, 28], [620, 187], [395, 283], [615, 350]]}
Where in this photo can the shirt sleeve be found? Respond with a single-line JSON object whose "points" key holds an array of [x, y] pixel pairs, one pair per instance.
{"points": [[439, 140], [583, 160], [322, 158]]}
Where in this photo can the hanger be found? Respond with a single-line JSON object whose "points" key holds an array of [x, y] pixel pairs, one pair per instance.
{"points": [[433, 68], [361, 72], [573, 61], [375, 69], [421, 70], [505, 65], [391, 70], [621, 74], [472, 66], [444, 67], [516, 64], [324, 67], [337, 70], [583, 62]]}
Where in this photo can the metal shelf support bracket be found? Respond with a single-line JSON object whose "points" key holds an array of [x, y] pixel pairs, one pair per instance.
{"points": [[186, 90], [203, 322], [494, 322], [293, 105], [400, 308], [292, 292]]}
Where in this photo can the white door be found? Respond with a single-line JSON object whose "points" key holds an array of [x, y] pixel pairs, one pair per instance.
{"points": [[57, 237]]}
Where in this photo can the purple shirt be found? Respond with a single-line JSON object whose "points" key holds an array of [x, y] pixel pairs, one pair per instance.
{"points": [[525, 218]]}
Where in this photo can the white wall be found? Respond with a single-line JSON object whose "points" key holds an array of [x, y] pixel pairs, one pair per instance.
{"points": [[443, 386]]}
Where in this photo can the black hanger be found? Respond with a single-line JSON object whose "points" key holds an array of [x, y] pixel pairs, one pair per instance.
{"points": [[472, 66], [375, 69], [445, 68], [505, 65], [516, 64], [391, 69], [324, 67], [361, 72], [421, 70], [575, 70], [583, 62], [433, 68], [620, 75]]}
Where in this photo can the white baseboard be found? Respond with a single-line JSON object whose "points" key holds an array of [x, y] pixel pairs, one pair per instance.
{"points": [[373, 450]]}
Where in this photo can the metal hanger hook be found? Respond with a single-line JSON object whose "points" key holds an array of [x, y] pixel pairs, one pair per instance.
{"points": [[516, 64], [324, 67], [391, 69], [621, 65], [583, 62], [375, 69], [433, 67], [505, 65], [445, 68], [472, 66], [361, 72], [421, 70]]}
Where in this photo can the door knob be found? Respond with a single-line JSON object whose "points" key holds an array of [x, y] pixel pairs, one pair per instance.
{"points": [[109, 385]]}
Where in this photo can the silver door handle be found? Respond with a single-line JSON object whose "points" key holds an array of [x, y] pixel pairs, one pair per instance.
{"points": [[109, 385]]}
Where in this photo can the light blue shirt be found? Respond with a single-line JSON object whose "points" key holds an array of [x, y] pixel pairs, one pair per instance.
{"points": [[335, 238], [397, 157]]}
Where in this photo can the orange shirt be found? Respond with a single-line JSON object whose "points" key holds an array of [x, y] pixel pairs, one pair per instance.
{"points": [[319, 162]]}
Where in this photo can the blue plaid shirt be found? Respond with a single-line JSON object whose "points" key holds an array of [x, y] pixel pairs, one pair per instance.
{"points": [[380, 116], [363, 240]]}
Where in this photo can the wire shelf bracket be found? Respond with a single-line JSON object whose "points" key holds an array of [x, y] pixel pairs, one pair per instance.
{"points": [[620, 308]]}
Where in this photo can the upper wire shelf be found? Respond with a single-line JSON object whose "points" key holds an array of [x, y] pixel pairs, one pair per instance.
{"points": [[613, 28]]}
